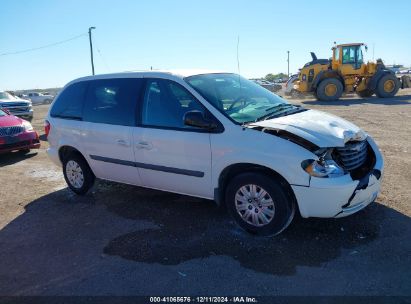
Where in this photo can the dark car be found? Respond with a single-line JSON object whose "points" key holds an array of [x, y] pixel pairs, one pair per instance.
{"points": [[16, 134]]}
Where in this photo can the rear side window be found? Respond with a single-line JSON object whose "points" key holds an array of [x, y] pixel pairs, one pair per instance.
{"points": [[112, 101], [69, 103]]}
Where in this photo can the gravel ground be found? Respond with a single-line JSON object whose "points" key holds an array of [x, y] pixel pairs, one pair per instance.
{"points": [[124, 240]]}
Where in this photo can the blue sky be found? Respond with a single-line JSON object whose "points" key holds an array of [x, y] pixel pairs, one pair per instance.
{"points": [[135, 35]]}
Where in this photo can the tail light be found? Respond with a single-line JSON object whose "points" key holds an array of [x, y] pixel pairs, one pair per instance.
{"points": [[47, 127]]}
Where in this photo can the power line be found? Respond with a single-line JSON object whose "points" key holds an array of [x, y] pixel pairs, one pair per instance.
{"points": [[100, 54], [43, 47]]}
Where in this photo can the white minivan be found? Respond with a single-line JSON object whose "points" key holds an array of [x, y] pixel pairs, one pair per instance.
{"points": [[217, 136]]}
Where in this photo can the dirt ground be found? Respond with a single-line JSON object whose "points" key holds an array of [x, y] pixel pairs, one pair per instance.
{"points": [[123, 240]]}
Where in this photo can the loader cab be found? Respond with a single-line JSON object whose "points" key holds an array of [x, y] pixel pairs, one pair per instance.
{"points": [[348, 58]]}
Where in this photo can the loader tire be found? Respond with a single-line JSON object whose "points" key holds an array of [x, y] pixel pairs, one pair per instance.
{"points": [[406, 82], [365, 93], [329, 89], [387, 86]]}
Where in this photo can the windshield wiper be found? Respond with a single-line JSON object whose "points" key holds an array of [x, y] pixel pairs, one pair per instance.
{"points": [[280, 105], [275, 113]]}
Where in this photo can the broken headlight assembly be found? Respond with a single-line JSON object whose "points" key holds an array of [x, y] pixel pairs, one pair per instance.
{"points": [[325, 166]]}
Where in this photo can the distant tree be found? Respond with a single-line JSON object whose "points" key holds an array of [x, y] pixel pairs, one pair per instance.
{"points": [[272, 77]]}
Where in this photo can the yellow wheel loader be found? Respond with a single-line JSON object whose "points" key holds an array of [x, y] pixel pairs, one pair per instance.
{"points": [[346, 72]]}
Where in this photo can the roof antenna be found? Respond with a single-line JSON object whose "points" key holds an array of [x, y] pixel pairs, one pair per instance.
{"points": [[238, 59], [238, 62]]}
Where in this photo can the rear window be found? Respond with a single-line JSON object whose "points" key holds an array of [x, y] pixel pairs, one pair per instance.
{"points": [[69, 103], [112, 101]]}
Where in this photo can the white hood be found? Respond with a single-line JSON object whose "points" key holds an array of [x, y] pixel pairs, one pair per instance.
{"points": [[320, 128], [14, 100]]}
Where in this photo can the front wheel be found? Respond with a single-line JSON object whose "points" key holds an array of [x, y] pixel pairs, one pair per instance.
{"points": [[259, 204], [329, 89], [387, 86], [77, 174]]}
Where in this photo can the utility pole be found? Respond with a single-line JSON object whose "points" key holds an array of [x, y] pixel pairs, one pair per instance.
{"points": [[91, 48], [288, 63]]}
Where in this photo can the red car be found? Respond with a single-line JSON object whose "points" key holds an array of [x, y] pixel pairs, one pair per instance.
{"points": [[16, 134]]}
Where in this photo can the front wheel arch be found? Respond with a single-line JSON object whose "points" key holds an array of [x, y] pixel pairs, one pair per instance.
{"points": [[235, 169]]}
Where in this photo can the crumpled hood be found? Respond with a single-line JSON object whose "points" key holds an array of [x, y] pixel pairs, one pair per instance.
{"points": [[320, 128]]}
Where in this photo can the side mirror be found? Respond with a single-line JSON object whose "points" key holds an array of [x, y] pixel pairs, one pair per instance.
{"points": [[197, 119]]}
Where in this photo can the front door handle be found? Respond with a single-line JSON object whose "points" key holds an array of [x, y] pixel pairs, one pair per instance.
{"points": [[144, 145], [122, 142]]}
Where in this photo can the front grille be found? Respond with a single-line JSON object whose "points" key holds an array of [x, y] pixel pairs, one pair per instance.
{"points": [[352, 156], [10, 131], [16, 107], [18, 110]]}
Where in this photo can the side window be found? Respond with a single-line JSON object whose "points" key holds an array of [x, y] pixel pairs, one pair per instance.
{"points": [[165, 103], [112, 101], [337, 54], [69, 103], [359, 56]]}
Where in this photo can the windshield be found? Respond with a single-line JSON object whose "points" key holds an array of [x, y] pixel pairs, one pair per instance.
{"points": [[2, 113], [238, 98], [5, 95]]}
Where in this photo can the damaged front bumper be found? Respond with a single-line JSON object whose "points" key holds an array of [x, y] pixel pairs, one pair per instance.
{"points": [[340, 196]]}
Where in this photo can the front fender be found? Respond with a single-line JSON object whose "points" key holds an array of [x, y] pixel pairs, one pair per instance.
{"points": [[258, 148], [372, 84]]}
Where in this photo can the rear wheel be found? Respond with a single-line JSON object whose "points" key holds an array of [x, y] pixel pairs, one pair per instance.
{"points": [[365, 93], [387, 86], [77, 173], [259, 203], [329, 89]]}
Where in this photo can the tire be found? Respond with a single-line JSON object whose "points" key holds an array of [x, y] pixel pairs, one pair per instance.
{"points": [[77, 174], [387, 86], [365, 93], [322, 92], [282, 205], [406, 82]]}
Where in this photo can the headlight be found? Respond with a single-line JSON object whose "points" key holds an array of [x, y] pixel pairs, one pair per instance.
{"points": [[325, 168], [27, 126]]}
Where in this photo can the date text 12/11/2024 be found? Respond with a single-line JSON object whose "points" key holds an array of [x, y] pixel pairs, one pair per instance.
{"points": [[203, 299]]}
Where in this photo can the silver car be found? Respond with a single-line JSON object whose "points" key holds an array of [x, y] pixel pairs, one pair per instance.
{"points": [[16, 106]]}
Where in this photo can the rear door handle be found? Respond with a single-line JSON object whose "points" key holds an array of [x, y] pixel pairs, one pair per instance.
{"points": [[122, 142]]}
